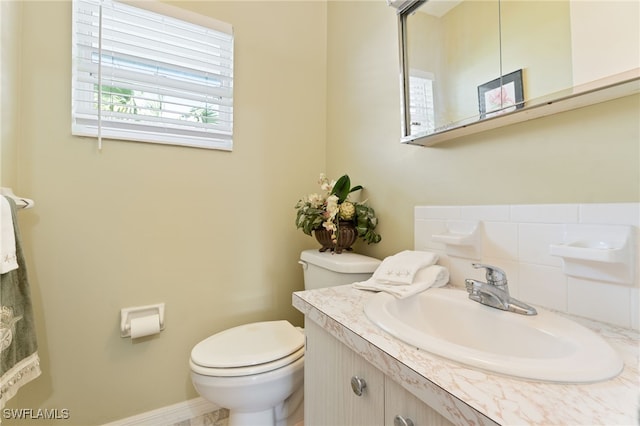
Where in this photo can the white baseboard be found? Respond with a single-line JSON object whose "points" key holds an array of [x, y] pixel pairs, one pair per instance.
{"points": [[170, 414]]}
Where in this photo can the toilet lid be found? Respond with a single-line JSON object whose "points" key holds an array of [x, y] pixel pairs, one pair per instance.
{"points": [[251, 370], [248, 344]]}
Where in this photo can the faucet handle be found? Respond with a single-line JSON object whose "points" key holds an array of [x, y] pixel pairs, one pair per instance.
{"points": [[495, 275]]}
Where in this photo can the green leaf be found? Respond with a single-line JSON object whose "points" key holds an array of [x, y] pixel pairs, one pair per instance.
{"points": [[341, 188]]}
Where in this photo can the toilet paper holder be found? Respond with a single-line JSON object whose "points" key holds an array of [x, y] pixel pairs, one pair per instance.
{"points": [[128, 314]]}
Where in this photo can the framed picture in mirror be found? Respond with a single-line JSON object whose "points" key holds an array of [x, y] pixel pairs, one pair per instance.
{"points": [[502, 95]]}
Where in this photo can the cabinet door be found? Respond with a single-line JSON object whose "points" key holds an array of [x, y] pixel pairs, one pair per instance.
{"points": [[399, 402], [329, 399]]}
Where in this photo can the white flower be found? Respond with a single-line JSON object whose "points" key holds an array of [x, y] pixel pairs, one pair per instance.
{"points": [[316, 200], [325, 183], [332, 206], [329, 226], [328, 186]]}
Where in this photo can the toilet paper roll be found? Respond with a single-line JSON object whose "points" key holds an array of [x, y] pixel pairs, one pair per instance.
{"points": [[145, 326]]}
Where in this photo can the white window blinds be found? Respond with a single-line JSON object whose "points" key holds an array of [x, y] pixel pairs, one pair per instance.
{"points": [[421, 107], [162, 79]]}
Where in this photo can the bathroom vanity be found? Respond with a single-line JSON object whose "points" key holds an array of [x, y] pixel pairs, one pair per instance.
{"points": [[347, 354], [352, 390]]}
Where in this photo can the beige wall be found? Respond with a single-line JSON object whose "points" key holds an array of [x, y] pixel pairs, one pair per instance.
{"points": [[10, 24], [209, 233], [599, 45], [528, 29]]}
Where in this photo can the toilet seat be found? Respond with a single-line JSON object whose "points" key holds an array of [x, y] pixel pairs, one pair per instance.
{"points": [[248, 349], [249, 370]]}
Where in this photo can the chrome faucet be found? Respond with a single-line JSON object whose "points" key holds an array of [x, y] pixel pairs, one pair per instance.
{"points": [[495, 292]]}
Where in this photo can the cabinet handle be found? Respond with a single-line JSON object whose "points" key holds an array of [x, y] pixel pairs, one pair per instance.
{"points": [[402, 421], [357, 385]]}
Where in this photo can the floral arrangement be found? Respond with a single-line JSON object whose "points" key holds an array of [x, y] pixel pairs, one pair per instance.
{"points": [[333, 209]]}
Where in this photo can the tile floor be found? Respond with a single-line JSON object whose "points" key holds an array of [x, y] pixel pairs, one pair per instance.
{"points": [[215, 418]]}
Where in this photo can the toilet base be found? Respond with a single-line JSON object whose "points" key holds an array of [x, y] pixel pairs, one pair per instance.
{"points": [[288, 413], [266, 417]]}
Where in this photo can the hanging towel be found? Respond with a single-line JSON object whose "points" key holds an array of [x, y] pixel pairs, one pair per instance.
{"points": [[19, 361], [402, 267], [428, 277], [8, 258]]}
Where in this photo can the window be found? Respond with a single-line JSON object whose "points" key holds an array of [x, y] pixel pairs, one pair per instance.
{"points": [[421, 109], [145, 76]]}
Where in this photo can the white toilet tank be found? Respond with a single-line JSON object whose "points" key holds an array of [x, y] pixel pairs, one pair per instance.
{"points": [[325, 269]]}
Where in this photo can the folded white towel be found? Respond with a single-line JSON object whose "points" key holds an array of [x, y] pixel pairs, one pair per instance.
{"points": [[8, 258], [428, 277], [402, 267]]}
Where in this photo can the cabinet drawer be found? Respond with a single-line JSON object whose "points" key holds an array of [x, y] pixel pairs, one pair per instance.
{"points": [[329, 398], [400, 402]]}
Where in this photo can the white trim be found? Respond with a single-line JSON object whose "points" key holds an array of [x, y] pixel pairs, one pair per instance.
{"points": [[170, 414]]}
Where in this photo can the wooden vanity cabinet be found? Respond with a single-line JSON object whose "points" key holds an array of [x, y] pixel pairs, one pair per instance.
{"points": [[334, 374], [400, 402], [328, 397]]}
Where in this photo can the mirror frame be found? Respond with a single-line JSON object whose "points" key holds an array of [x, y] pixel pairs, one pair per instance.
{"points": [[605, 89]]}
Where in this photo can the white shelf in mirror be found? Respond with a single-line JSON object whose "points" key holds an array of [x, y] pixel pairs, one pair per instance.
{"points": [[606, 89]]}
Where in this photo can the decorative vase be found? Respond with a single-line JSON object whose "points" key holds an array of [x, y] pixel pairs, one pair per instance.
{"points": [[346, 236]]}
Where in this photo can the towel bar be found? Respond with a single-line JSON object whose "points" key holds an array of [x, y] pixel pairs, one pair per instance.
{"points": [[21, 202]]}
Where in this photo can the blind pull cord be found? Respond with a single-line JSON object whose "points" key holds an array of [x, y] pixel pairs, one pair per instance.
{"points": [[100, 79]]}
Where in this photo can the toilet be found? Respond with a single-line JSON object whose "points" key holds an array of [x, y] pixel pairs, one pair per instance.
{"points": [[256, 370]]}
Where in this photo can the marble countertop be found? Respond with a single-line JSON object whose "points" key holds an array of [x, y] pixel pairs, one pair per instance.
{"points": [[473, 397]]}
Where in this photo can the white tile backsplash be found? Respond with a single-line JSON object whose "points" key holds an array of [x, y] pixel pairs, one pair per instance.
{"points": [[500, 240], [596, 300], [485, 213], [607, 214], [534, 240], [543, 285], [634, 308], [545, 213], [516, 238]]}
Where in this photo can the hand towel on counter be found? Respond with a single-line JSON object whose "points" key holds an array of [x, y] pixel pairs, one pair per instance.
{"points": [[402, 267], [427, 277], [8, 258]]}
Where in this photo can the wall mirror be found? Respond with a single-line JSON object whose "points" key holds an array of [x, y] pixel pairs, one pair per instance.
{"points": [[473, 65]]}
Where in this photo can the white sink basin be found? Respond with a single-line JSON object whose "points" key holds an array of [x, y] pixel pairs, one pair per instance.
{"points": [[546, 347]]}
